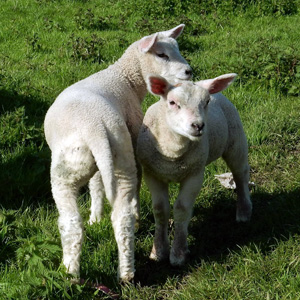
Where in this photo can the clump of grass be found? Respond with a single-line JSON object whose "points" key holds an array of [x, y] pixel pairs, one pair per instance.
{"points": [[86, 19], [87, 48], [15, 132]]}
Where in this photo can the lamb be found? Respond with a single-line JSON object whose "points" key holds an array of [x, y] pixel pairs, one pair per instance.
{"points": [[191, 126], [92, 129]]}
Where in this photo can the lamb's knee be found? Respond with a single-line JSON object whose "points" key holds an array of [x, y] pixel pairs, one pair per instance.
{"points": [[161, 211], [182, 211]]}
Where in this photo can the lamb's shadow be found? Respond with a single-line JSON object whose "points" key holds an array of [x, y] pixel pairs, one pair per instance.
{"points": [[215, 233], [24, 178]]}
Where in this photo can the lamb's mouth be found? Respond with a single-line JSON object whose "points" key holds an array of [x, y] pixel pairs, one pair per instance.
{"points": [[196, 135]]}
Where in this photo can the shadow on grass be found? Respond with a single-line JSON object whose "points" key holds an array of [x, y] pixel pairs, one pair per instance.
{"points": [[25, 180], [24, 175], [215, 233], [35, 108]]}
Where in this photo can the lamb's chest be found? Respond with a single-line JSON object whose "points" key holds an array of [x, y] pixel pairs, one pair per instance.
{"points": [[171, 170]]}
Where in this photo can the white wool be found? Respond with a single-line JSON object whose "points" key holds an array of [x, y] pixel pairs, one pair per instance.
{"points": [[92, 128], [182, 133]]}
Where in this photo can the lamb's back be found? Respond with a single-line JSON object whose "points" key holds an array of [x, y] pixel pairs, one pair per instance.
{"points": [[101, 101]]}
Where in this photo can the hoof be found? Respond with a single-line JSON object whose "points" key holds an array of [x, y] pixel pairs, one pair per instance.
{"points": [[179, 258], [126, 278], [244, 214], [94, 220], [159, 254]]}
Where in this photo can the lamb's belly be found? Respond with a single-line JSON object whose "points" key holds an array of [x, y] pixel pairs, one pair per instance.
{"points": [[171, 171]]}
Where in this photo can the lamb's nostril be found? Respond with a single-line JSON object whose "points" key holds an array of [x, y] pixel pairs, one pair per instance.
{"points": [[197, 126], [188, 72]]}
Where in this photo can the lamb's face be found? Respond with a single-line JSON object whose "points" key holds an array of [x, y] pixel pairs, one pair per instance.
{"points": [[168, 62], [186, 110], [160, 55], [187, 102]]}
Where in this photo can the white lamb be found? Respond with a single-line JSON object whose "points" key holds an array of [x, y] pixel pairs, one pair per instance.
{"points": [[92, 129], [184, 131]]}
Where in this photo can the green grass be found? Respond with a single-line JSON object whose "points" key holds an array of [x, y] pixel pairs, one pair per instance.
{"points": [[46, 45]]}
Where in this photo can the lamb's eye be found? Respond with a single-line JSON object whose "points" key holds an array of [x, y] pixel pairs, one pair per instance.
{"points": [[174, 104], [206, 103], [163, 55]]}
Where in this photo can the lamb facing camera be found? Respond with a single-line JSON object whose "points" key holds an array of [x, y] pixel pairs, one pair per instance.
{"points": [[191, 126]]}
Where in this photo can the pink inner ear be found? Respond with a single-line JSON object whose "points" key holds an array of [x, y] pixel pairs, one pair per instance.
{"points": [[217, 84], [158, 86], [147, 42], [216, 87]]}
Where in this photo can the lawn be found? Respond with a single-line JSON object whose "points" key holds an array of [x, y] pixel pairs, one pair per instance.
{"points": [[46, 45]]}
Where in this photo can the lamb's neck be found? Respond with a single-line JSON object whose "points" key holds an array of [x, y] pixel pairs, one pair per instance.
{"points": [[170, 144], [130, 69]]}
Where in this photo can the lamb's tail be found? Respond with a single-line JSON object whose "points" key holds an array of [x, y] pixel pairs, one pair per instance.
{"points": [[102, 153]]}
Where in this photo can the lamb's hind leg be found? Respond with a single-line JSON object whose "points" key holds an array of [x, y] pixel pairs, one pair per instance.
{"points": [[123, 213], [69, 224], [244, 204], [123, 220], [97, 198], [239, 167], [136, 197], [70, 169]]}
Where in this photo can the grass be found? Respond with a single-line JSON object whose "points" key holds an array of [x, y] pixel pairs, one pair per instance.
{"points": [[46, 45]]}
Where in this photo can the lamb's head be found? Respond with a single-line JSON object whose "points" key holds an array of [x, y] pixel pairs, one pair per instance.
{"points": [[187, 103], [159, 54]]}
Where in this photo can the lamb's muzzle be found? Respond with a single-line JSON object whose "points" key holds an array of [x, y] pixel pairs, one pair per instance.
{"points": [[198, 128]]}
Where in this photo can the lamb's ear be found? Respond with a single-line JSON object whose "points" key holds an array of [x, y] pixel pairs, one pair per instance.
{"points": [[174, 32], [147, 42], [217, 84], [158, 85]]}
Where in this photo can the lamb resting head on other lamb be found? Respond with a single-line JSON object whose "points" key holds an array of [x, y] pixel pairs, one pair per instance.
{"points": [[91, 129]]}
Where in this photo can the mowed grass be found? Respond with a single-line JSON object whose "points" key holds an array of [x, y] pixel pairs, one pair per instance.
{"points": [[46, 45]]}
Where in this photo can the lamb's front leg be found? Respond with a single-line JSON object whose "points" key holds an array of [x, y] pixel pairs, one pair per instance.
{"points": [[183, 209], [161, 210]]}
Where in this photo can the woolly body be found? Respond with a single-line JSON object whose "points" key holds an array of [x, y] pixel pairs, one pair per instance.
{"points": [[184, 131], [92, 129]]}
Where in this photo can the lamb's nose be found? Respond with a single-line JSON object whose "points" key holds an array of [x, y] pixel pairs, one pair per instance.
{"points": [[198, 126], [189, 72]]}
